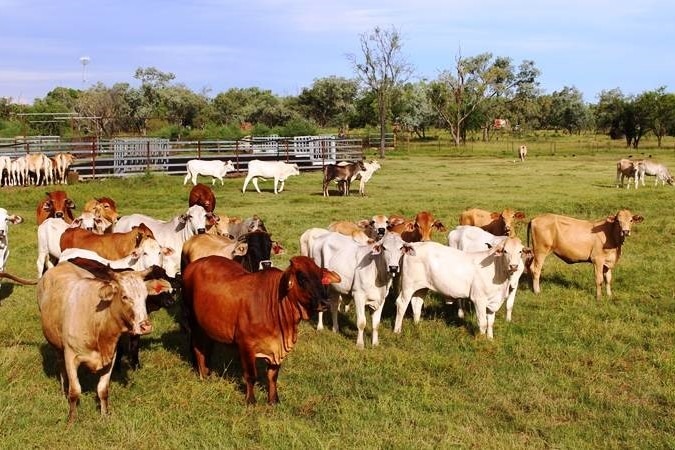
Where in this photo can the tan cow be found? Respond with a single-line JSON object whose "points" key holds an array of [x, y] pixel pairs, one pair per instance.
{"points": [[104, 207], [202, 245], [499, 224], [574, 241], [83, 314]]}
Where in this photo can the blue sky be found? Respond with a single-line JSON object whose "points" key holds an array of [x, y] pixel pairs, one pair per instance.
{"points": [[283, 45]]}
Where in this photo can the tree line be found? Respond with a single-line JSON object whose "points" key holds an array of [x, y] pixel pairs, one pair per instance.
{"points": [[465, 99]]}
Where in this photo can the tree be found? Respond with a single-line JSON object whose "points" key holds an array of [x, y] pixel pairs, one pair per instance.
{"points": [[568, 110], [105, 107], [659, 108], [458, 94], [382, 68], [412, 108], [621, 116], [329, 101]]}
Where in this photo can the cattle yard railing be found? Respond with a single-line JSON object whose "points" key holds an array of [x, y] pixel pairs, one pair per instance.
{"points": [[122, 157]]}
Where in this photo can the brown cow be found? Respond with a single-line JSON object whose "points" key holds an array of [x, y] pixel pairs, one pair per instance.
{"points": [[499, 224], [258, 312], [363, 230], [103, 207], [84, 312], [574, 241], [626, 168], [417, 229], [57, 204], [203, 196], [343, 172], [111, 245]]}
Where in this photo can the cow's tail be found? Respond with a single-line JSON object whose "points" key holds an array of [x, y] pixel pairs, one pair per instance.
{"points": [[19, 280]]}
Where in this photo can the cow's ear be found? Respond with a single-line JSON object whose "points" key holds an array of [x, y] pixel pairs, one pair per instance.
{"points": [[135, 253], [139, 239], [611, 219], [519, 215], [240, 249], [408, 249], [76, 223], [70, 204], [439, 226], [167, 251], [363, 223], [15, 219], [277, 249], [495, 215], [396, 221], [329, 277], [638, 219], [156, 287], [183, 218], [410, 226], [47, 206], [527, 252], [106, 294], [376, 250]]}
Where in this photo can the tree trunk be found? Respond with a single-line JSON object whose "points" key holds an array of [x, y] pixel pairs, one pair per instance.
{"points": [[383, 121]]}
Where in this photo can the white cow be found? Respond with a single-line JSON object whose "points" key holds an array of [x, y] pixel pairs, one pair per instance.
{"points": [[149, 253], [277, 170], [63, 162], [5, 165], [214, 168], [172, 233], [19, 171], [49, 236], [484, 277], [522, 152], [307, 240], [474, 239], [366, 272], [654, 169], [366, 175], [5, 219]]}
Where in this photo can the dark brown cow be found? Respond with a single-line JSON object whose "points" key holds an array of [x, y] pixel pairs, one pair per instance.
{"points": [[343, 172], [57, 204], [203, 196], [499, 224], [574, 241], [110, 245], [417, 229], [258, 312]]}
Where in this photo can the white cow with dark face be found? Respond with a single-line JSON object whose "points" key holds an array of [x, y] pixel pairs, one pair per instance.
{"points": [[366, 272], [276, 170], [484, 277]]}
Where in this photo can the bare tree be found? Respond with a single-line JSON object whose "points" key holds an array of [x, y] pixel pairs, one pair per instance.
{"points": [[382, 68]]}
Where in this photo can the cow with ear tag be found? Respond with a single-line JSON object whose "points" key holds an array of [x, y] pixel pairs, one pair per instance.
{"points": [[259, 312]]}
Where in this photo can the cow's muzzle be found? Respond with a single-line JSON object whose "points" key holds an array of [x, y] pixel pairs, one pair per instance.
{"points": [[625, 233], [393, 270], [265, 264], [513, 268], [58, 215], [380, 232], [201, 230], [144, 327]]}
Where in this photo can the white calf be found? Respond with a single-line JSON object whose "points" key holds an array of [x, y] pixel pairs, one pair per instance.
{"points": [[277, 170], [6, 219], [214, 168], [522, 152], [474, 239], [484, 277], [656, 170], [366, 175]]}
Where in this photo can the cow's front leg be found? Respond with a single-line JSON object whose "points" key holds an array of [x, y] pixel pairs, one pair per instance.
{"points": [[272, 375], [250, 373], [599, 276], [360, 307], [608, 280]]}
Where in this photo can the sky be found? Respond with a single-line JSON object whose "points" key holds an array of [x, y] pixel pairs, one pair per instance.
{"points": [[284, 45]]}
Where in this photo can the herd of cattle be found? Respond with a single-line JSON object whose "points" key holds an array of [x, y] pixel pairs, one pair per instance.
{"points": [[35, 168], [100, 274]]}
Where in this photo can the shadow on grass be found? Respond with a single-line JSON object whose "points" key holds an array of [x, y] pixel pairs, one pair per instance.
{"points": [[6, 290]]}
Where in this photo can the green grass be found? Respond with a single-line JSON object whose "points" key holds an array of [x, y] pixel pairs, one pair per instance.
{"points": [[569, 372]]}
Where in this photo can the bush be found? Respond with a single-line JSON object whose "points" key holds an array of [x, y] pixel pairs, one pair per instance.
{"points": [[297, 127]]}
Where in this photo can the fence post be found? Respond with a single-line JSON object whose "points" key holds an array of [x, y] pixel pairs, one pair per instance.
{"points": [[199, 149], [147, 156], [93, 158]]}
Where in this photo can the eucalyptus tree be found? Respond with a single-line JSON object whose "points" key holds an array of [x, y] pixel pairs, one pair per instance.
{"points": [[472, 83], [381, 67], [329, 101], [569, 111], [412, 109], [621, 116]]}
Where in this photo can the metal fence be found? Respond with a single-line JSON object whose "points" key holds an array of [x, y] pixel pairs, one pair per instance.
{"points": [[127, 156]]}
